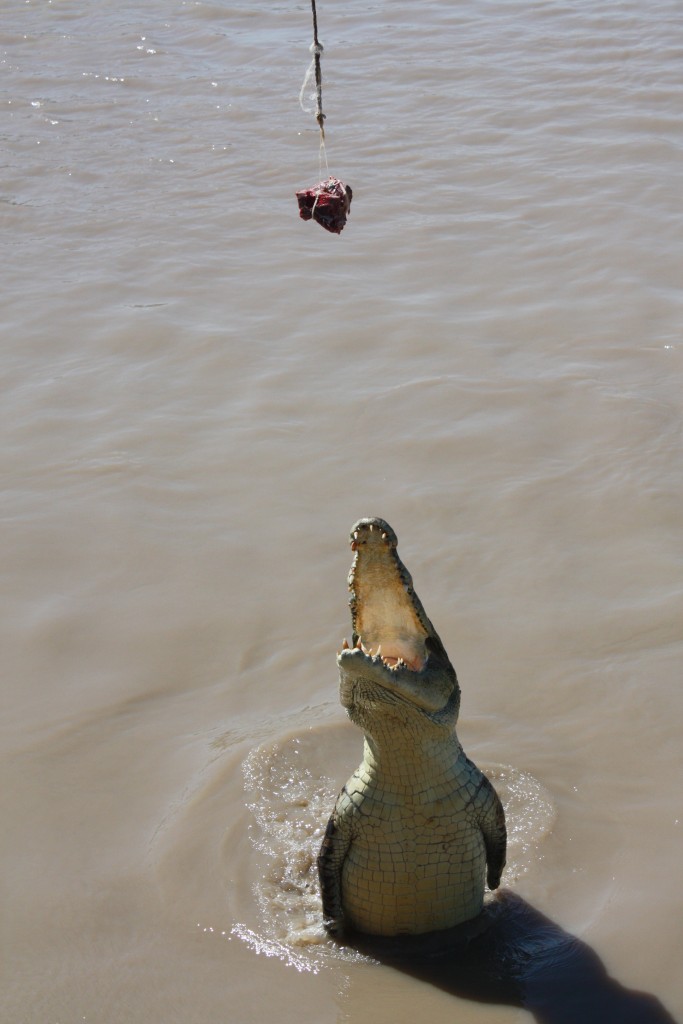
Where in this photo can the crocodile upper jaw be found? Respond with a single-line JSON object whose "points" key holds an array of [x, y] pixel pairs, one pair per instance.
{"points": [[394, 644], [385, 610]]}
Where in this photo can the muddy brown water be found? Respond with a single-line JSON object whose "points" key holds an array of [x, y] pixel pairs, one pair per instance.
{"points": [[201, 393]]}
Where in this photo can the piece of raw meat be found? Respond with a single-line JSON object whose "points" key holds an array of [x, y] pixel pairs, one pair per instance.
{"points": [[328, 202]]}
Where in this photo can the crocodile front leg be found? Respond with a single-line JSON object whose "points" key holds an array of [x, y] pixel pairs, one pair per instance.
{"points": [[492, 824], [333, 850]]}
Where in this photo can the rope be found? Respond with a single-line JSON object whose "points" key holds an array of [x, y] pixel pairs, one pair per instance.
{"points": [[328, 202], [317, 50]]}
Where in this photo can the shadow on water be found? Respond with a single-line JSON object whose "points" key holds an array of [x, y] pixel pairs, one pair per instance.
{"points": [[518, 957]]}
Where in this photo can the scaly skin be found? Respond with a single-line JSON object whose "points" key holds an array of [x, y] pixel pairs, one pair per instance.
{"points": [[417, 826]]}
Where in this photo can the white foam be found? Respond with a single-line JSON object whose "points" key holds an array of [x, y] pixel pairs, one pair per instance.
{"points": [[291, 800]]}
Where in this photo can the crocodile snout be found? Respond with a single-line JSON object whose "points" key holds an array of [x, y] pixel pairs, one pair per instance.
{"points": [[374, 531]]}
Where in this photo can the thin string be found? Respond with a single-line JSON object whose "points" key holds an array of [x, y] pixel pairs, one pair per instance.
{"points": [[314, 72], [322, 155]]}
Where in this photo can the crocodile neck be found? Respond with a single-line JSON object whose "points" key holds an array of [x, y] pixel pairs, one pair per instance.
{"points": [[390, 768]]}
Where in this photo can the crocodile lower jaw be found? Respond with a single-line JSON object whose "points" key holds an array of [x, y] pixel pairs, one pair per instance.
{"points": [[386, 657]]}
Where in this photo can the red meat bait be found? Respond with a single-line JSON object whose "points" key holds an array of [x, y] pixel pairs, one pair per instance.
{"points": [[328, 202]]}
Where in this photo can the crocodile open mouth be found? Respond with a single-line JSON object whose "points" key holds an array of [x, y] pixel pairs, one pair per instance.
{"points": [[392, 661], [388, 620]]}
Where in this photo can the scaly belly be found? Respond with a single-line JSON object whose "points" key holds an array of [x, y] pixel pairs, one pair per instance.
{"points": [[413, 880]]}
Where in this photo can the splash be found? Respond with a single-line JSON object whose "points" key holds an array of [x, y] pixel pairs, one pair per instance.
{"points": [[291, 800], [290, 805], [529, 813]]}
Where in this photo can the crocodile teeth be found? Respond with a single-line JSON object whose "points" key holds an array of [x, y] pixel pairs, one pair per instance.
{"points": [[384, 536], [379, 651], [372, 527], [345, 644]]}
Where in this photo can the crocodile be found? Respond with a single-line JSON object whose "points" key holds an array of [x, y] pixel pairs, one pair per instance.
{"points": [[418, 827]]}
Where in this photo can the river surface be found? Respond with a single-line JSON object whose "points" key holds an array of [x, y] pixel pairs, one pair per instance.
{"points": [[201, 393]]}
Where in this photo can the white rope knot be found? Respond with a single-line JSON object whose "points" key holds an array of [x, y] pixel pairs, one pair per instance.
{"points": [[316, 48]]}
